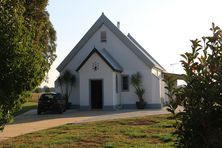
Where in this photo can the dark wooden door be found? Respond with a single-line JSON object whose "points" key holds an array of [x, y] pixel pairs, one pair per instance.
{"points": [[96, 94]]}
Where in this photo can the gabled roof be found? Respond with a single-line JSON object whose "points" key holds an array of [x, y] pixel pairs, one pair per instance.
{"points": [[109, 60], [130, 43], [157, 65]]}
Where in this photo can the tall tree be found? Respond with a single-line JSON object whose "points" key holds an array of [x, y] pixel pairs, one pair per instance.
{"points": [[27, 49]]}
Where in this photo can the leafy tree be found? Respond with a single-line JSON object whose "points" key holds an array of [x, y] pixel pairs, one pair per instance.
{"points": [[199, 125], [27, 49], [37, 90], [66, 82]]}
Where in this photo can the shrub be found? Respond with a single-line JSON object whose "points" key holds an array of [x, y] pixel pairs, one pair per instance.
{"points": [[200, 124]]}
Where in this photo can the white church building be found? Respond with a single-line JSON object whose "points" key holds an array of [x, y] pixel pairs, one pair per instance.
{"points": [[103, 62]]}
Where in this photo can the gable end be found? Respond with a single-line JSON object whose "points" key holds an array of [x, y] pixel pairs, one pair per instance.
{"points": [[137, 50], [114, 68]]}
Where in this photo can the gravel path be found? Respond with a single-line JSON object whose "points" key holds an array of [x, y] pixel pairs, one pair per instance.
{"points": [[30, 121]]}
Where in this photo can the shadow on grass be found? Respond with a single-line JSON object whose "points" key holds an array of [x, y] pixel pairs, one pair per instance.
{"points": [[26, 107]]}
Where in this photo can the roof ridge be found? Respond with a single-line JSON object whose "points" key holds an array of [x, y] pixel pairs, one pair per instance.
{"points": [[137, 49], [80, 44], [141, 47]]}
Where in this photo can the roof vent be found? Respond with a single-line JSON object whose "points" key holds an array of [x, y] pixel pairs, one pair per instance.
{"points": [[118, 25]]}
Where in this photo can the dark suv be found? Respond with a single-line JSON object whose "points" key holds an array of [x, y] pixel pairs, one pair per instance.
{"points": [[51, 101]]}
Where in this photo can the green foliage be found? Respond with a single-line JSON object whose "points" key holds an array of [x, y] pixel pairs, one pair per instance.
{"points": [[26, 107], [173, 94], [66, 82], [37, 90], [199, 125], [27, 49], [136, 81]]}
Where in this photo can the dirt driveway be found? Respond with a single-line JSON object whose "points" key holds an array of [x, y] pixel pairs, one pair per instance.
{"points": [[30, 121]]}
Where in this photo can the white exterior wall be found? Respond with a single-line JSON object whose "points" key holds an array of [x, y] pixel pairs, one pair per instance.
{"points": [[117, 95], [104, 73], [57, 87], [74, 96], [162, 88], [156, 89], [129, 62]]}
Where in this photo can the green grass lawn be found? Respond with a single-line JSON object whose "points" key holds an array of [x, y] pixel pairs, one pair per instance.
{"points": [[150, 131], [31, 104], [26, 107]]}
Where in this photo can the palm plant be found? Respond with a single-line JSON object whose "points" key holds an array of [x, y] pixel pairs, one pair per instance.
{"points": [[136, 81], [66, 80]]}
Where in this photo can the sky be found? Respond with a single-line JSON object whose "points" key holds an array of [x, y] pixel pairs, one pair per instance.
{"points": [[163, 27]]}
